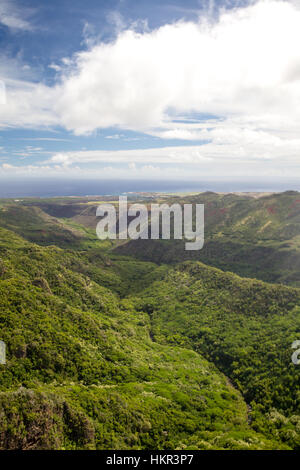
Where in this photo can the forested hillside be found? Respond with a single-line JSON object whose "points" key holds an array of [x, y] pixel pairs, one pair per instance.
{"points": [[108, 351], [253, 237]]}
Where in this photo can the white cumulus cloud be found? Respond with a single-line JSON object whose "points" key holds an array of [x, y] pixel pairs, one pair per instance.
{"points": [[247, 63]]}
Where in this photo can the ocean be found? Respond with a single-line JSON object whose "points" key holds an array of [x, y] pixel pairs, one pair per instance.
{"points": [[67, 187]]}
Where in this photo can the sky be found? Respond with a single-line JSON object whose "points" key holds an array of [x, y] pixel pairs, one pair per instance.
{"points": [[133, 89]]}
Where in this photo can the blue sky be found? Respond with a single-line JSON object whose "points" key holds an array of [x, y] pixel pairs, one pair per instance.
{"points": [[137, 89]]}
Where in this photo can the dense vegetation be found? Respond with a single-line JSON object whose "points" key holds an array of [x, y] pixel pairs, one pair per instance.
{"points": [[244, 326], [106, 351]]}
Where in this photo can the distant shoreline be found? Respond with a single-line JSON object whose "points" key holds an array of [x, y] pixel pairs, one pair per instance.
{"points": [[140, 195], [42, 189]]}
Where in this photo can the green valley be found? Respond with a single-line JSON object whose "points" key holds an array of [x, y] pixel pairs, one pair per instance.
{"points": [[141, 345]]}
